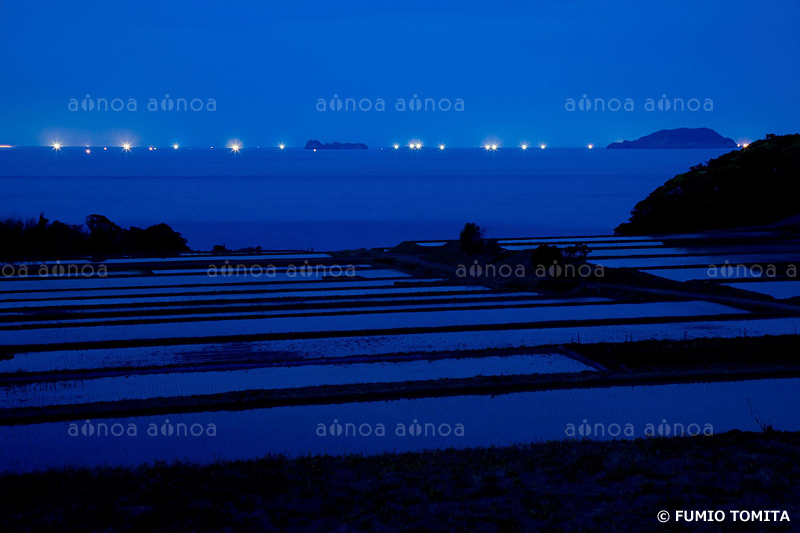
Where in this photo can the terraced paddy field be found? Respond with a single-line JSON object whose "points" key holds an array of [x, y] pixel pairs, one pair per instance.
{"points": [[296, 352], [605, 413]]}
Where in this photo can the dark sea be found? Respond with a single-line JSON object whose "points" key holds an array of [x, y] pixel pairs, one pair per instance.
{"points": [[330, 200]]}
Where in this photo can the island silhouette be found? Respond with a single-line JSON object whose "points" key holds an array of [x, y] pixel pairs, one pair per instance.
{"points": [[316, 145], [680, 138]]}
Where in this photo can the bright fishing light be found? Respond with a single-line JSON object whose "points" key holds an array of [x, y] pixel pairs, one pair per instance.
{"points": [[542, 146], [57, 147], [418, 146], [126, 147], [88, 151], [524, 146], [396, 146], [494, 148], [235, 147], [281, 146], [590, 146], [745, 145], [175, 146], [104, 148], [150, 148], [441, 147]]}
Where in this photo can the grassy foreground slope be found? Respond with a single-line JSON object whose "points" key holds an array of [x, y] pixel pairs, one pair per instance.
{"points": [[757, 185], [553, 486]]}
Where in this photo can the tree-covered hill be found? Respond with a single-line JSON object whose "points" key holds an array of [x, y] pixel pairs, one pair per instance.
{"points": [[756, 185], [99, 237]]}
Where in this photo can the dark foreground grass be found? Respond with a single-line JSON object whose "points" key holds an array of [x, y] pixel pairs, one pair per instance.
{"points": [[718, 353], [554, 486]]}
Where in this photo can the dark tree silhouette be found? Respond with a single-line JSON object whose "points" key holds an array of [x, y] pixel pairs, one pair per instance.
{"points": [[104, 236], [35, 239], [471, 238]]}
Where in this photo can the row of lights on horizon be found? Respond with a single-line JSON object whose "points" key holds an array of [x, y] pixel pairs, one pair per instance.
{"points": [[237, 147], [489, 147], [127, 147]]}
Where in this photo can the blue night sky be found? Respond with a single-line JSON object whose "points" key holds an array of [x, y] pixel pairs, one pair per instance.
{"points": [[513, 64]]}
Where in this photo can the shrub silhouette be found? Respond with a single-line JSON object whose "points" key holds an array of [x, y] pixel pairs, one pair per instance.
{"points": [[491, 247], [576, 251], [545, 255], [471, 238]]}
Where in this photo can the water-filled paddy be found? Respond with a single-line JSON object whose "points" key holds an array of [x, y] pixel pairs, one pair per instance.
{"points": [[776, 289], [35, 284], [267, 285], [305, 310], [374, 345], [355, 288], [365, 322], [486, 420], [141, 386]]}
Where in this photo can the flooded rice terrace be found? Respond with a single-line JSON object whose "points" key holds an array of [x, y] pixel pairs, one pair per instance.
{"points": [[87, 357]]}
